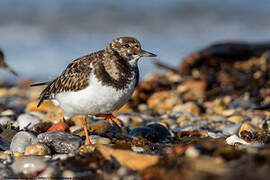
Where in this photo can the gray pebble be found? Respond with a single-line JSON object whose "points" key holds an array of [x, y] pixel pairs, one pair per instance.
{"points": [[242, 104], [231, 129], [74, 129], [21, 140], [27, 121], [177, 114], [60, 142], [218, 118]]}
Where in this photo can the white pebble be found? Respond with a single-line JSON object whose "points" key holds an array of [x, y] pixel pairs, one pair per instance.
{"points": [[4, 120], [95, 139], [192, 152], [27, 121], [28, 165], [7, 113], [137, 149], [235, 139]]}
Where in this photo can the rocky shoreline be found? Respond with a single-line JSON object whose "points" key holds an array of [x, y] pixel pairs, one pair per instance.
{"points": [[210, 120]]}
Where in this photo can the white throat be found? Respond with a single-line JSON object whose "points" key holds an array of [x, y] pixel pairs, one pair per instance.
{"points": [[134, 61]]}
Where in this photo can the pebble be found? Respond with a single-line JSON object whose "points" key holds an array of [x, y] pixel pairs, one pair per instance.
{"points": [[54, 115], [21, 140], [122, 171], [246, 127], [192, 152], [60, 156], [28, 165], [232, 140], [95, 139], [242, 104], [60, 142], [218, 118], [74, 129], [44, 107], [215, 135], [27, 121], [8, 112], [236, 119], [228, 112], [4, 121], [37, 149], [61, 127], [18, 154], [231, 129], [163, 101], [41, 127], [152, 132], [190, 107], [177, 114], [257, 121], [87, 148], [138, 149]]}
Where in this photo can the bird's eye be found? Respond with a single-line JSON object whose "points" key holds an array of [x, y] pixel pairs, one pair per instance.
{"points": [[127, 45]]}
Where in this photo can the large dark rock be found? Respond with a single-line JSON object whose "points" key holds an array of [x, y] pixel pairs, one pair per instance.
{"points": [[60, 142]]}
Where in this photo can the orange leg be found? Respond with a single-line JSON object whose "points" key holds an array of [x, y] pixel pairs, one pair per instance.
{"points": [[111, 119], [85, 130]]}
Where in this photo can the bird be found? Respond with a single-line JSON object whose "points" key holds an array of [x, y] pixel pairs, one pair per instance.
{"points": [[99, 83], [4, 65]]}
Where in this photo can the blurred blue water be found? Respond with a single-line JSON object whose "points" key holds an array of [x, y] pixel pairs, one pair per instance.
{"points": [[41, 37]]}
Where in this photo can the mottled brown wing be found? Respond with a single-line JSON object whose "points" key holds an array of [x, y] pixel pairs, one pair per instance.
{"points": [[74, 78]]}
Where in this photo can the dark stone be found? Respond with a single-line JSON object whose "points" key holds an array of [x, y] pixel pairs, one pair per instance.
{"points": [[60, 142], [40, 127], [153, 132]]}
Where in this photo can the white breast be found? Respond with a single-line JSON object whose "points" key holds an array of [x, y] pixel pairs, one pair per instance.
{"points": [[95, 99]]}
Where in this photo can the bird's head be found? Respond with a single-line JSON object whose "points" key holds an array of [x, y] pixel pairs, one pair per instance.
{"points": [[128, 48]]}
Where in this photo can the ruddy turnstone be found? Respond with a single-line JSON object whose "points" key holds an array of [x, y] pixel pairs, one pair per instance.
{"points": [[98, 83], [4, 65]]}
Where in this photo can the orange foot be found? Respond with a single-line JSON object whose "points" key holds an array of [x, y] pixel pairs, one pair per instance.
{"points": [[111, 119], [85, 130]]}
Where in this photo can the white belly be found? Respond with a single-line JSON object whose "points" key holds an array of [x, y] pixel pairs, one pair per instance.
{"points": [[95, 99]]}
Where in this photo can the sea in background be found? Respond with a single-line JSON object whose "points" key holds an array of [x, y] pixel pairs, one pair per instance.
{"points": [[39, 38]]}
